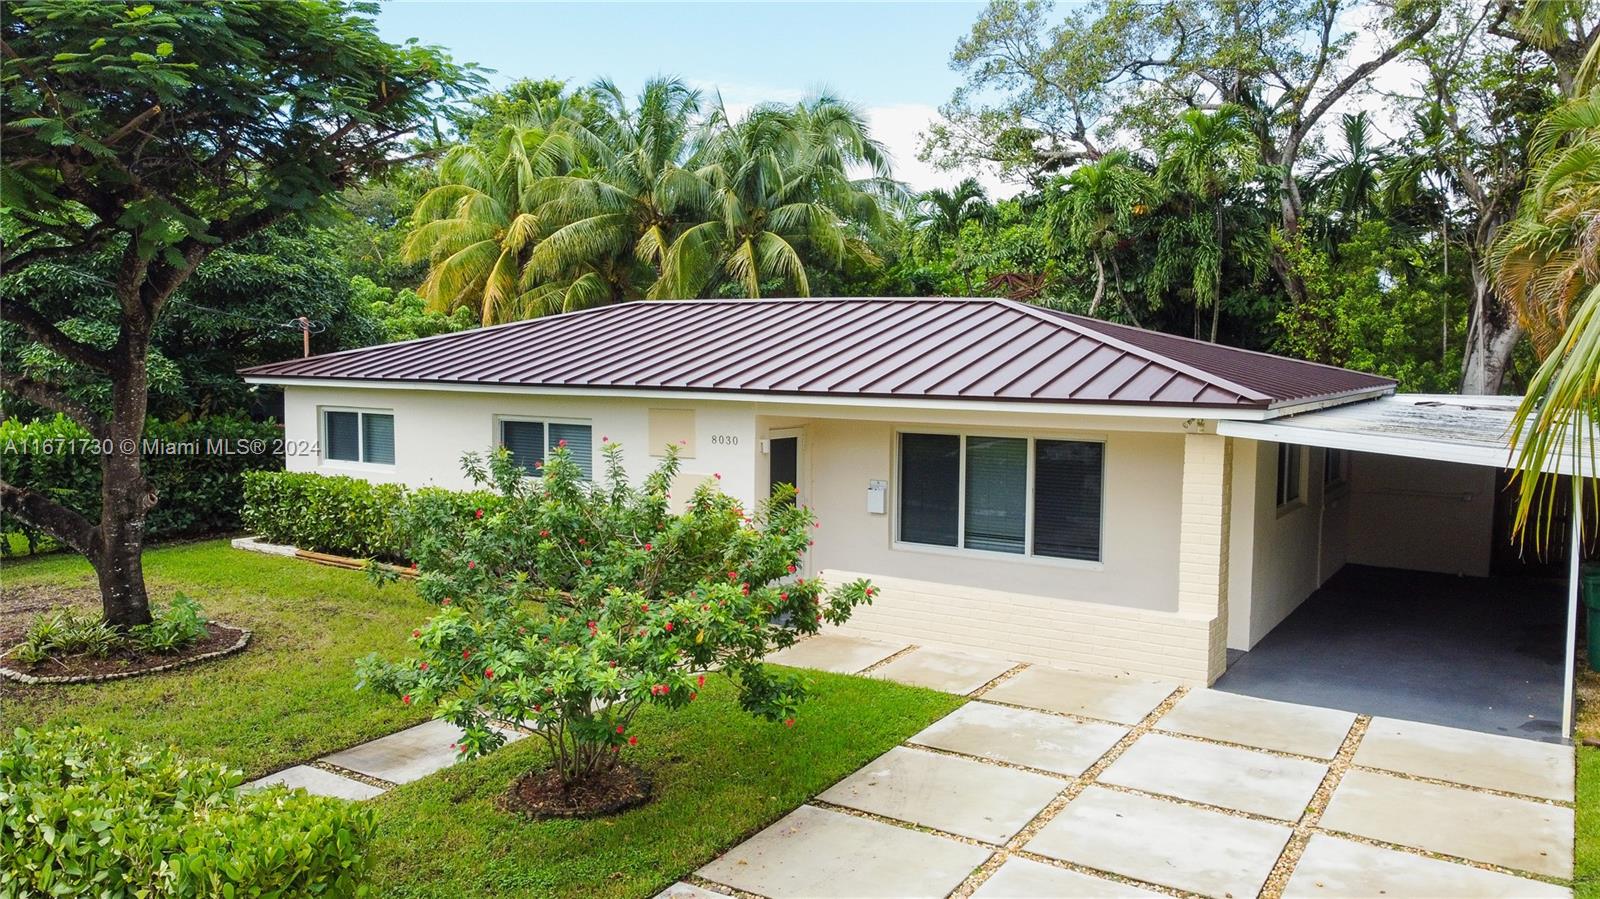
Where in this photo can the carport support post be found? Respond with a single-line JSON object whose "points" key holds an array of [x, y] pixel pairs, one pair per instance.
{"points": [[1203, 533], [1572, 611]]}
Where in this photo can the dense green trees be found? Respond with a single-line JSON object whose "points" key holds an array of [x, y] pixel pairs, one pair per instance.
{"points": [[160, 133]]}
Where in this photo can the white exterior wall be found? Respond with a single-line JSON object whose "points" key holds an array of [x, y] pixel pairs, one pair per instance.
{"points": [[1422, 515], [433, 428], [1119, 614]]}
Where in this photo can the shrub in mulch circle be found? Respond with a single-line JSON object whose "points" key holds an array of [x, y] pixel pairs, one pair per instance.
{"points": [[570, 605], [68, 645]]}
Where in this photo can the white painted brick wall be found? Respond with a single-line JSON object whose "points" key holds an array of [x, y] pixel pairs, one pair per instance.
{"points": [[1187, 645]]}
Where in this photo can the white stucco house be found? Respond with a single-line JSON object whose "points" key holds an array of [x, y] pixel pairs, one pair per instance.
{"points": [[1016, 480]]}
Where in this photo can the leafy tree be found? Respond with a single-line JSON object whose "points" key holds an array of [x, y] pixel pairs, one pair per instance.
{"points": [[939, 214], [162, 132], [403, 315], [1098, 211], [1348, 183], [1209, 160], [569, 606]]}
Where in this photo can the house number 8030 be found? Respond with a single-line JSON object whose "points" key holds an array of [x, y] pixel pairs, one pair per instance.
{"points": [[725, 439]]}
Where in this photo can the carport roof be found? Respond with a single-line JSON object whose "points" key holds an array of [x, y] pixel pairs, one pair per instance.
{"points": [[1471, 430], [915, 348]]}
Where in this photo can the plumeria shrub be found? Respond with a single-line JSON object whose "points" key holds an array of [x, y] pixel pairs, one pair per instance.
{"points": [[569, 605]]}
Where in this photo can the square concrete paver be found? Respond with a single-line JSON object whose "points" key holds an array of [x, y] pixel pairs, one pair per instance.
{"points": [[832, 652], [1124, 700], [947, 671], [959, 796], [1283, 726], [317, 782], [1162, 842], [815, 853], [408, 755], [1494, 762], [1021, 878], [1514, 833], [1344, 869], [1241, 779], [1022, 737]]}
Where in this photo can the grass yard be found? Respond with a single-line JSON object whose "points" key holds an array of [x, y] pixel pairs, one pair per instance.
{"points": [[719, 774]]}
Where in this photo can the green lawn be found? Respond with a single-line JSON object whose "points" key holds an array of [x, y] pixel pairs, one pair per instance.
{"points": [[719, 773], [1587, 883]]}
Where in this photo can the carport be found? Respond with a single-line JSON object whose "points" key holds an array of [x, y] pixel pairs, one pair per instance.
{"points": [[1392, 642]]}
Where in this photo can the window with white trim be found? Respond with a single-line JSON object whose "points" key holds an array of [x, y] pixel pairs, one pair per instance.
{"points": [[358, 435], [529, 441], [1020, 495], [1289, 469]]}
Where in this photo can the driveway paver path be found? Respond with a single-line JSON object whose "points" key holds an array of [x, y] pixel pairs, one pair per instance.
{"points": [[1154, 789]]}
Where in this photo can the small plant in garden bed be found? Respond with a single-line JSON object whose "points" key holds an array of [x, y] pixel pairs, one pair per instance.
{"points": [[568, 606], [70, 642]]}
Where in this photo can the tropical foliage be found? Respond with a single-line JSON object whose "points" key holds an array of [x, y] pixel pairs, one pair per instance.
{"points": [[570, 605]]}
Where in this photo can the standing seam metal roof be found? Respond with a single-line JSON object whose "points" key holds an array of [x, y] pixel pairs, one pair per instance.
{"points": [[933, 348]]}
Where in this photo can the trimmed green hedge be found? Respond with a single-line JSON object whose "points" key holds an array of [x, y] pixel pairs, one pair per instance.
{"points": [[343, 515], [194, 466], [85, 814]]}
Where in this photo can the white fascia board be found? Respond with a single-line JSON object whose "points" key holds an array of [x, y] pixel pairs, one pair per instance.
{"points": [[1409, 447], [1038, 407]]}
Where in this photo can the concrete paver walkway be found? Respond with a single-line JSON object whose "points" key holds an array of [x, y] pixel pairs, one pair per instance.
{"points": [[398, 758], [1141, 788]]}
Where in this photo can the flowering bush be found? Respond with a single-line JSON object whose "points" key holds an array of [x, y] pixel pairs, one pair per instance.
{"points": [[570, 605]]}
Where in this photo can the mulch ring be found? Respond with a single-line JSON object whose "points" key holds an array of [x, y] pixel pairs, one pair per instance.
{"points": [[540, 794], [19, 608]]}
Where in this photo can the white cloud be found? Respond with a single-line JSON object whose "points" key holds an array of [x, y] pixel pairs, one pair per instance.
{"points": [[900, 128]]}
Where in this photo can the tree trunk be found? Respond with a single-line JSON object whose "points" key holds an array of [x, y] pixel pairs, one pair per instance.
{"points": [[1216, 287], [1099, 283], [1491, 338], [125, 496]]}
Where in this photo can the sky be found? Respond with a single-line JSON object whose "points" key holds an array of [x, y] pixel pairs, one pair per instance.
{"points": [[891, 58]]}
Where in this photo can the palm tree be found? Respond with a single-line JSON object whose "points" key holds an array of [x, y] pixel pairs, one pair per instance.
{"points": [[779, 194], [1207, 156], [478, 227], [940, 214], [605, 230], [1349, 182], [1096, 211], [1547, 261]]}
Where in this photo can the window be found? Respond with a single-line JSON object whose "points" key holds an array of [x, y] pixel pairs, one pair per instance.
{"points": [[1288, 474], [528, 440], [354, 435], [1002, 494], [1335, 470]]}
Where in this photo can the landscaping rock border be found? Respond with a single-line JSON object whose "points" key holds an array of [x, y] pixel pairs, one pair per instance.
{"points": [[21, 677]]}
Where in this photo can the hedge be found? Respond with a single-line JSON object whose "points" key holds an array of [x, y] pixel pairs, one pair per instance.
{"points": [[86, 814], [194, 466], [343, 515]]}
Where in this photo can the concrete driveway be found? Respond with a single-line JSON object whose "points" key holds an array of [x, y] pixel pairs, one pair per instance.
{"points": [[1055, 783]]}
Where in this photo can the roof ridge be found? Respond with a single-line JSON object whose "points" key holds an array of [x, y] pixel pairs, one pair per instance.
{"points": [[1208, 377]]}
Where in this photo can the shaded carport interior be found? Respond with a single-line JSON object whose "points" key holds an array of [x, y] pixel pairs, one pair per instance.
{"points": [[1485, 653]]}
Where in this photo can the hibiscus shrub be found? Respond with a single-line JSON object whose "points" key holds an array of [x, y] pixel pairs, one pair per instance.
{"points": [[569, 605]]}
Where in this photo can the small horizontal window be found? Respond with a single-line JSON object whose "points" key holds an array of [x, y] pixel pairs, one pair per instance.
{"points": [[529, 441], [354, 435]]}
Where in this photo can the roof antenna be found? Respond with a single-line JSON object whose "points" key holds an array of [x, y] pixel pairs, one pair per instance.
{"points": [[305, 336]]}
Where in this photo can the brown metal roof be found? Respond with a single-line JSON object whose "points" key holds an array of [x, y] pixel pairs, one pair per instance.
{"points": [[957, 349]]}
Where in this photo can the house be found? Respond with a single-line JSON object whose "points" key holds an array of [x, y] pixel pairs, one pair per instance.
{"points": [[1016, 480]]}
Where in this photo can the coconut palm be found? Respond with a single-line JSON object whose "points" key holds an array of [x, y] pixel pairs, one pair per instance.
{"points": [[1207, 157], [940, 214], [1098, 209], [779, 196], [1547, 261], [478, 227]]}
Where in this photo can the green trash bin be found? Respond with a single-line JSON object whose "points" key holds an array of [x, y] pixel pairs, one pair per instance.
{"points": [[1589, 579]]}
